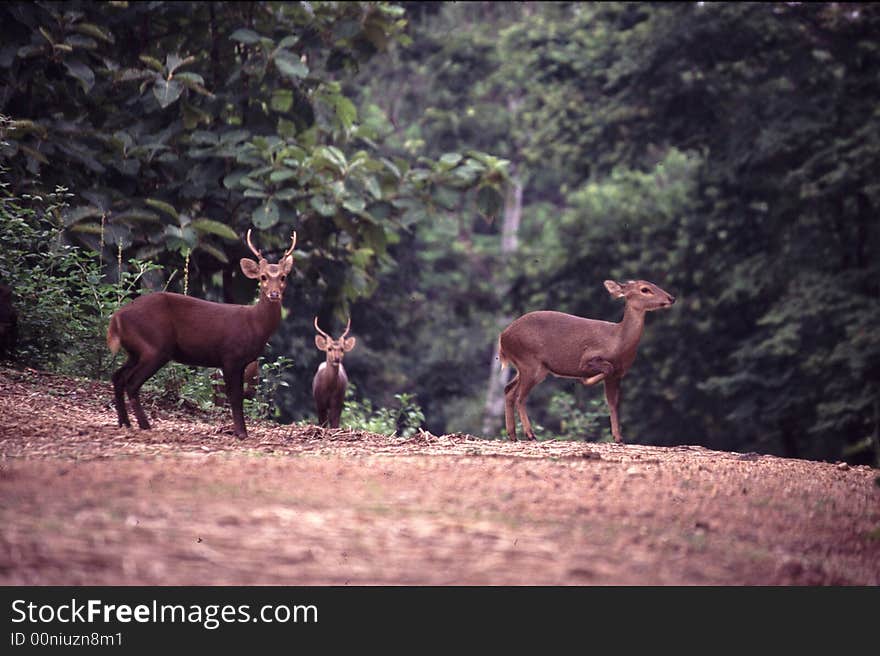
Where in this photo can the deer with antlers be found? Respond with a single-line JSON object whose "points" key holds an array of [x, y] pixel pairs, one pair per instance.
{"points": [[330, 381], [163, 326]]}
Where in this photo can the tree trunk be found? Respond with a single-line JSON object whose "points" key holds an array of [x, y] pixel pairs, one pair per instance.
{"points": [[493, 412]]}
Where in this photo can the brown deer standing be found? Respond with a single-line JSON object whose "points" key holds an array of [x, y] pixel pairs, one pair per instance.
{"points": [[567, 346], [330, 381], [164, 326]]}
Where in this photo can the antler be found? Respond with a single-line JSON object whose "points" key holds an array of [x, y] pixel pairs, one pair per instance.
{"points": [[256, 252], [260, 255], [318, 328], [347, 326], [292, 245]]}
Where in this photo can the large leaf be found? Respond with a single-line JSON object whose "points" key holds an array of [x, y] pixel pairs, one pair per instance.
{"points": [[290, 65], [95, 31], [282, 174], [74, 215], [246, 36], [214, 227], [167, 91], [266, 215], [136, 216], [173, 61], [215, 252], [162, 206], [322, 206]]}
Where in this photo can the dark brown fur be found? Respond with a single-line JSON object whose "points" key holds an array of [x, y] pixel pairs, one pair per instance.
{"points": [[163, 326]]}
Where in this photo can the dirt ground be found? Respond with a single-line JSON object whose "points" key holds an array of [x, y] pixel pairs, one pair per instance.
{"points": [[83, 502]]}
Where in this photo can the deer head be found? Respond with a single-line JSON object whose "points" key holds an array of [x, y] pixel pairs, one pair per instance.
{"points": [[272, 277], [335, 348]]}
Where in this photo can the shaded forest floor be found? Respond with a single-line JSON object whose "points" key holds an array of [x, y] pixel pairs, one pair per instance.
{"points": [[83, 502]]}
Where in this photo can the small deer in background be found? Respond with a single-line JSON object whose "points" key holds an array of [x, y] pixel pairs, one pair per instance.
{"points": [[163, 326], [567, 346], [251, 380], [330, 381]]}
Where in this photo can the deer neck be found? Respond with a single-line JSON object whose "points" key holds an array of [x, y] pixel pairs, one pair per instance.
{"points": [[267, 316], [631, 328]]}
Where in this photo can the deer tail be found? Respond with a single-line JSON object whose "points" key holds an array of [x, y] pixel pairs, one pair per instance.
{"points": [[501, 356], [113, 341]]}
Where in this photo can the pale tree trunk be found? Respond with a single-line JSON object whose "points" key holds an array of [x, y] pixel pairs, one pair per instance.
{"points": [[493, 412]]}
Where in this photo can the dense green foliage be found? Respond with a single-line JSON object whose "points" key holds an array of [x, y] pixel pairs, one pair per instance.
{"points": [[725, 151]]}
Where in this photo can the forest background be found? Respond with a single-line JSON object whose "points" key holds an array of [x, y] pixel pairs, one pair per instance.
{"points": [[450, 166]]}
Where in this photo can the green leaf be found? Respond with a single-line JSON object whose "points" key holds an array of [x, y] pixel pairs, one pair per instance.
{"points": [[282, 100], [189, 77], [380, 211], [346, 112], [152, 62], [74, 215], [322, 206], [91, 228], [173, 61], [288, 41], [445, 197], [354, 204], [244, 35], [82, 73], [162, 206], [282, 175], [135, 215], [449, 160], [247, 182], [79, 41], [214, 252], [181, 238], [333, 156], [127, 74], [266, 215], [290, 65], [214, 227], [373, 187], [233, 180], [95, 31], [167, 91]]}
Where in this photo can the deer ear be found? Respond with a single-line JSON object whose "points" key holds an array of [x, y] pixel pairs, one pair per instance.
{"points": [[349, 344], [321, 342], [250, 268], [614, 288], [287, 264]]}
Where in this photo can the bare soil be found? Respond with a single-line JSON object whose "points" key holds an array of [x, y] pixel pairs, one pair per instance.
{"points": [[83, 502]]}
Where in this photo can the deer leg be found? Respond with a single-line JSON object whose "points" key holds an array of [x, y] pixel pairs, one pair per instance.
{"points": [[233, 377], [612, 396], [139, 374], [603, 367], [336, 409], [525, 386], [119, 377], [509, 401]]}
